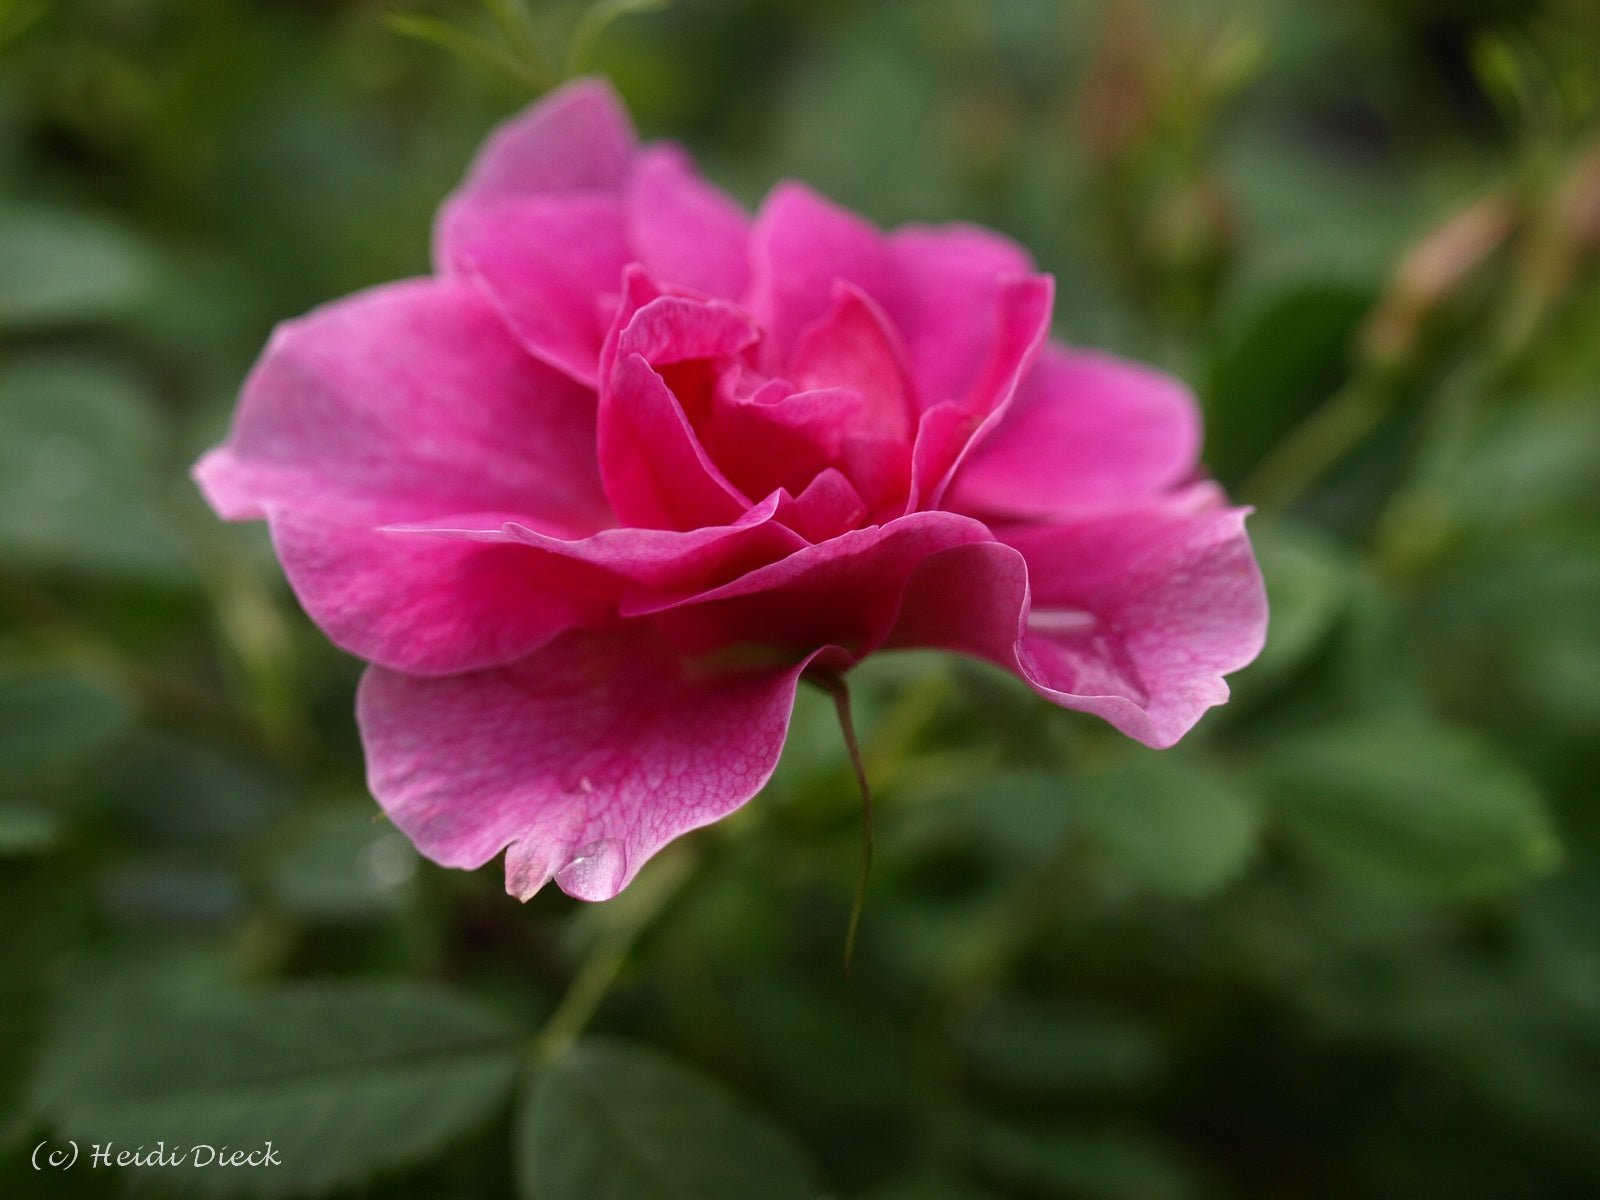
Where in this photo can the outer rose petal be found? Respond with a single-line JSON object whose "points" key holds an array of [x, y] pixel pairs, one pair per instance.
{"points": [[684, 230], [546, 262], [1086, 429], [1135, 615], [432, 605], [582, 760], [404, 401], [577, 138]]}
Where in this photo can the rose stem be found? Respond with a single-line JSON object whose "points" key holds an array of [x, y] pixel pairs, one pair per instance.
{"points": [[840, 691]]}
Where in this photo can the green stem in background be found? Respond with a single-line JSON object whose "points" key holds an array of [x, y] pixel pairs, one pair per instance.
{"points": [[595, 20], [1320, 441], [625, 919], [840, 691]]}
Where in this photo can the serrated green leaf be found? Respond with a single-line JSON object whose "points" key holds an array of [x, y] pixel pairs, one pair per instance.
{"points": [[1411, 806], [611, 1121], [344, 1080], [58, 268]]}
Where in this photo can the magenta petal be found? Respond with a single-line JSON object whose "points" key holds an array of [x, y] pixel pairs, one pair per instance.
{"points": [[850, 346], [430, 605], [582, 761], [843, 592], [686, 232], [799, 246], [953, 272], [642, 560], [577, 138], [949, 429], [545, 261], [404, 401], [827, 507], [1085, 429], [655, 471], [1138, 614], [1134, 616]]}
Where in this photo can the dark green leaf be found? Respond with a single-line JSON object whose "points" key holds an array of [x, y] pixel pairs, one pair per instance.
{"points": [[611, 1121], [79, 470], [57, 268], [53, 721], [1412, 806], [1167, 822], [345, 1081]]}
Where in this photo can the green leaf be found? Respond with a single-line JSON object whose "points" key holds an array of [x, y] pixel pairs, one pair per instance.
{"points": [[1092, 1163], [611, 1121], [52, 721], [344, 1080], [59, 268], [1031, 1046], [1410, 806], [26, 829], [1308, 585], [1171, 824], [80, 471]]}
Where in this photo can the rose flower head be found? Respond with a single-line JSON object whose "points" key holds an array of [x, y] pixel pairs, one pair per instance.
{"points": [[593, 497]]}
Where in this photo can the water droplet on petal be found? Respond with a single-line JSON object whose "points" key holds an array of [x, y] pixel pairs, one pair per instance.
{"points": [[596, 871]]}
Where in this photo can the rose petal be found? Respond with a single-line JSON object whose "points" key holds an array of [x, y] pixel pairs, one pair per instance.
{"points": [[800, 245], [1135, 615], [953, 272], [947, 430], [686, 232], [581, 761], [851, 346], [579, 137], [827, 507], [432, 605], [1086, 429], [407, 400], [842, 592], [655, 471], [545, 262]]}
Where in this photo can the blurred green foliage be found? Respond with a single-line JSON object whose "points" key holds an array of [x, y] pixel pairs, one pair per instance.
{"points": [[1345, 941]]}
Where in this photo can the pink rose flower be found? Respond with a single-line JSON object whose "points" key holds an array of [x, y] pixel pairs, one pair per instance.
{"points": [[593, 497]]}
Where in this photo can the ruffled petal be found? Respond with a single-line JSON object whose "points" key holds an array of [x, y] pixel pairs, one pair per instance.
{"points": [[1134, 616], [582, 761], [432, 605], [685, 231], [843, 592], [1086, 429], [405, 401]]}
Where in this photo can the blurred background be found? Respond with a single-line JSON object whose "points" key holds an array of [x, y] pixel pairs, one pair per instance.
{"points": [[1343, 942]]}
